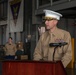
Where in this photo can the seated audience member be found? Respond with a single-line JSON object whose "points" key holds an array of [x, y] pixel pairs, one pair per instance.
{"points": [[10, 48]]}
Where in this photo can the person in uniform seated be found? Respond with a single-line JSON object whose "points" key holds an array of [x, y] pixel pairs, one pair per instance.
{"points": [[10, 49], [20, 49], [53, 35]]}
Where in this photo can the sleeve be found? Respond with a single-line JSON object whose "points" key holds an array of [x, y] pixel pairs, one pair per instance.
{"points": [[5, 48], [15, 48], [38, 50], [67, 56]]}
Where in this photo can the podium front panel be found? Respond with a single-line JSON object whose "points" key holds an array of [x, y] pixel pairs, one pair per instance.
{"points": [[32, 68]]}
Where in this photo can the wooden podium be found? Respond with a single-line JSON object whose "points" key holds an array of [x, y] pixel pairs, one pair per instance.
{"points": [[15, 67]]}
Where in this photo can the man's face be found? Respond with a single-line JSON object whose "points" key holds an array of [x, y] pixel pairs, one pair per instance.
{"points": [[9, 40], [50, 24]]}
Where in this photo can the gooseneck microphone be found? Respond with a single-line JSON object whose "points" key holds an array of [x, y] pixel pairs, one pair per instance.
{"points": [[56, 45]]}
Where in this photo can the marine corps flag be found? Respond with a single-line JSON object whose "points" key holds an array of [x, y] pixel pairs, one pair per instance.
{"points": [[15, 15]]}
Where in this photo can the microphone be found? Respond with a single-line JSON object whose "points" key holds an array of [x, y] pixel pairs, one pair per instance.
{"points": [[58, 44]]}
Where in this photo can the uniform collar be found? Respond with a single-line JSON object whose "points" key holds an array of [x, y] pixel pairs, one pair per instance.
{"points": [[55, 32], [10, 44]]}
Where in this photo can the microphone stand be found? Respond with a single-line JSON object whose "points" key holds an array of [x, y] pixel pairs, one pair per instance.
{"points": [[54, 67], [54, 52]]}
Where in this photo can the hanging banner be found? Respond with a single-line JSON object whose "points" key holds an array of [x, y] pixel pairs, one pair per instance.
{"points": [[15, 15]]}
